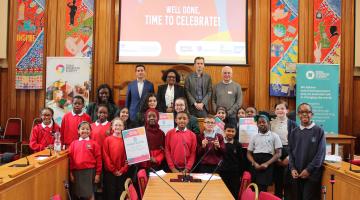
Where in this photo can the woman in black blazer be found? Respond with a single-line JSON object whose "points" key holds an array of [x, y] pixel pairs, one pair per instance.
{"points": [[167, 93]]}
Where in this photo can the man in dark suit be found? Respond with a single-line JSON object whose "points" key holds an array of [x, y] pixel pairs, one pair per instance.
{"points": [[167, 93], [137, 91], [198, 89]]}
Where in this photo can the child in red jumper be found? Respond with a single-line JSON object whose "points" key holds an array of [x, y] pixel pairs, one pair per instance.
{"points": [[85, 163], [42, 134], [156, 140], [115, 163], [211, 146], [71, 120], [180, 145], [101, 128]]}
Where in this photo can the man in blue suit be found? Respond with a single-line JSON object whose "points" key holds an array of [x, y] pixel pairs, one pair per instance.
{"points": [[137, 91]]}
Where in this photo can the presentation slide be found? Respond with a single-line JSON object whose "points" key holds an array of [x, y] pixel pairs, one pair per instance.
{"points": [[176, 31]]}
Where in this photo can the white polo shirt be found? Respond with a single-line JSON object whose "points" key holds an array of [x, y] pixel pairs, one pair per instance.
{"points": [[265, 143]]}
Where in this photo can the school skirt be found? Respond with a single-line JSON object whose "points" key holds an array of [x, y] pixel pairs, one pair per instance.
{"points": [[84, 183], [263, 177], [284, 152]]}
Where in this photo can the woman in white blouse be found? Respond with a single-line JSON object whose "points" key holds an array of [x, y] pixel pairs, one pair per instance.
{"points": [[167, 93]]}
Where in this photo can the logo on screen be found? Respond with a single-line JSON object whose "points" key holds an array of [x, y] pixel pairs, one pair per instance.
{"points": [[310, 75], [60, 69]]}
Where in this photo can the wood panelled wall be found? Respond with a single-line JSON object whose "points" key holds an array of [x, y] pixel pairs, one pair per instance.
{"points": [[254, 77]]}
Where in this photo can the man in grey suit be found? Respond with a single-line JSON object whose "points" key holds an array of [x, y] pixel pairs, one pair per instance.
{"points": [[198, 89]]}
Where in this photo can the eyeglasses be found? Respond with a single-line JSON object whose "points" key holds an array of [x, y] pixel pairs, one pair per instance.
{"points": [[171, 77], [208, 122]]}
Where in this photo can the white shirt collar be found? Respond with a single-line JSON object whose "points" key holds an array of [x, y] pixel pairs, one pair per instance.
{"points": [[49, 126], [265, 134], [103, 124], [307, 127], [82, 112], [281, 120], [81, 139], [140, 81], [177, 129], [211, 135], [228, 82], [228, 141]]}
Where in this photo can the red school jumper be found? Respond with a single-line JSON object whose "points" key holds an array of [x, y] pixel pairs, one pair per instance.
{"points": [[42, 136], [99, 132], [85, 154], [69, 126], [114, 155], [178, 144]]}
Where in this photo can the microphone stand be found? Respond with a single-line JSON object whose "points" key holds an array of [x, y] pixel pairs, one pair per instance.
{"points": [[22, 165], [332, 181], [67, 186], [212, 174], [323, 191], [172, 160], [185, 178], [202, 157], [153, 170], [353, 170], [27, 161]]}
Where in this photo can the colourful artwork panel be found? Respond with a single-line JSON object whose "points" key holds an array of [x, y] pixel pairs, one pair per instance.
{"points": [[327, 31], [79, 28], [29, 44], [284, 47]]}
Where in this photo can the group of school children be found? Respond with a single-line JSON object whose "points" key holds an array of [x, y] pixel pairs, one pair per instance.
{"points": [[282, 152]]}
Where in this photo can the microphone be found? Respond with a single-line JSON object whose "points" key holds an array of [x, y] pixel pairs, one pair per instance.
{"points": [[323, 191], [153, 170], [184, 171], [332, 181], [50, 153], [27, 161], [201, 159], [181, 177], [172, 160], [212, 174], [67, 188], [353, 170]]}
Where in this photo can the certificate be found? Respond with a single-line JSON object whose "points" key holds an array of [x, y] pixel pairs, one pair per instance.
{"points": [[219, 126], [136, 145], [166, 121], [247, 129]]}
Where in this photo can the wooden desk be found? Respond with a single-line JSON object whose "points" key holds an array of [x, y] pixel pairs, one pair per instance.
{"points": [[341, 139], [347, 183], [157, 189], [40, 182]]}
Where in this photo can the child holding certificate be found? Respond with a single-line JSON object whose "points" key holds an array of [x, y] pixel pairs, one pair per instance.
{"points": [[115, 163], [180, 145], [85, 163], [156, 140]]}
